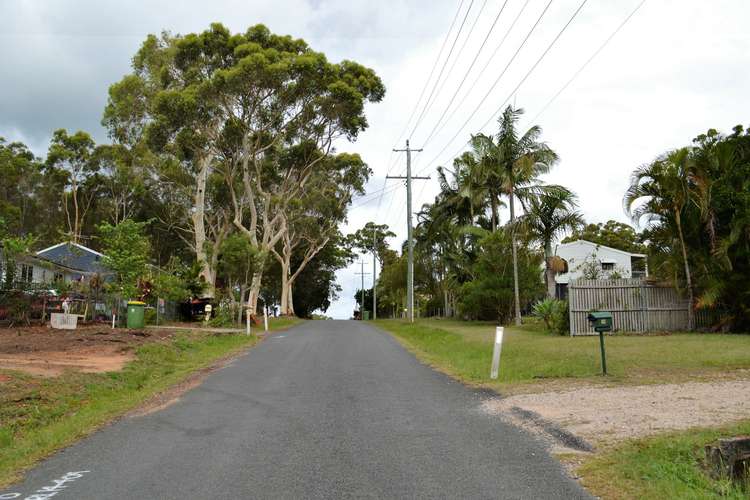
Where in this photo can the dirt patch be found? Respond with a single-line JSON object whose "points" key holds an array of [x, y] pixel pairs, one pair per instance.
{"points": [[605, 414], [41, 350]]}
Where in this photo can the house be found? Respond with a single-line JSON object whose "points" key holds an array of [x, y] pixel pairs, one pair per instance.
{"points": [[585, 259], [64, 262]]}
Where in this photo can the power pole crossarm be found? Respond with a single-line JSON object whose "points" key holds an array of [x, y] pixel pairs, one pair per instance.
{"points": [[409, 230]]}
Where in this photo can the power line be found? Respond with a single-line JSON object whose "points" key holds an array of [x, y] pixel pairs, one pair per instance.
{"points": [[455, 60], [466, 74], [528, 73], [588, 61], [528, 35], [484, 68], [544, 54], [427, 82], [437, 80], [393, 158], [365, 200]]}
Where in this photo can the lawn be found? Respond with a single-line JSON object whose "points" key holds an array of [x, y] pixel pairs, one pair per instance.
{"points": [[41, 415], [665, 466], [531, 358]]}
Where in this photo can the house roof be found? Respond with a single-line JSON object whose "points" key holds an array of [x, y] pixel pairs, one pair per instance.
{"points": [[74, 256], [591, 243]]}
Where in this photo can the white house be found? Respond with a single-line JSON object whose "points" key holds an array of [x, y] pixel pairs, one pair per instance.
{"points": [[64, 262], [587, 259]]}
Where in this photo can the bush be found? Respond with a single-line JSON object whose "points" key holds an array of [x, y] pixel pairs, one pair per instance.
{"points": [[489, 296], [554, 314]]}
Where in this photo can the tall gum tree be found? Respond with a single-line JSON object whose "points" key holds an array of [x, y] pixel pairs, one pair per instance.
{"points": [[274, 94], [164, 104], [312, 219]]}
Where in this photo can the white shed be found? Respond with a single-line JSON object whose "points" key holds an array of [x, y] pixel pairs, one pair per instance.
{"points": [[592, 261]]}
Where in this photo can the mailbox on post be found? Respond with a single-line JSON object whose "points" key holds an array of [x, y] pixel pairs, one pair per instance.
{"points": [[601, 322]]}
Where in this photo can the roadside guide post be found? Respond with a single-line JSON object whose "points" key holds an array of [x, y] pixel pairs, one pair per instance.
{"points": [[602, 322], [247, 320], [265, 318], [496, 352]]}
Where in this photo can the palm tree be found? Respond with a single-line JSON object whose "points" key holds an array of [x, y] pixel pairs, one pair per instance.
{"points": [[661, 187], [517, 162], [547, 217]]}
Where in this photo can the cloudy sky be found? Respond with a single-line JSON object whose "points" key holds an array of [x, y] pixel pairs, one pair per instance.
{"points": [[677, 68]]}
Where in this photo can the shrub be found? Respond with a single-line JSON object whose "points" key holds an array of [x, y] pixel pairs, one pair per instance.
{"points": [[554, 314]]}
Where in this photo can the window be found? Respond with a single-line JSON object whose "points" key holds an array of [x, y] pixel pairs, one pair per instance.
{"points": [[27, 273], [608, 266], [58, 278]]}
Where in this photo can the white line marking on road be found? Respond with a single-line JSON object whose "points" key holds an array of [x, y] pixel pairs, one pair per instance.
{"points": [[46, 492]]}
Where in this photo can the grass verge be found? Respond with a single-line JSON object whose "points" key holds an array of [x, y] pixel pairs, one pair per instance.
{"points": [[534, 360], [664, 466], [41, 415]]}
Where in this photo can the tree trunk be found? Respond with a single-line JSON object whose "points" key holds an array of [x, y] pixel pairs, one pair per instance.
{"points": [[76, 222], [243, 290], [290, 299], [252, 298], [199, 228], [493, 202], [515, 258], [286, 289], [688, 279], [549, 273]]}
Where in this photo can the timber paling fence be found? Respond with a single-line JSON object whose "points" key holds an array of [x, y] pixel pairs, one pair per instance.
{"points": [[636, 306]]}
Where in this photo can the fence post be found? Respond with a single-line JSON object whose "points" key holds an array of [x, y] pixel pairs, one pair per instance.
{"points": [[496, 352]]}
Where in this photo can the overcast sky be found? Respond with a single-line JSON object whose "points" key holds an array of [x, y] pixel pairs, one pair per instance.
{"points": [[677, 68]]}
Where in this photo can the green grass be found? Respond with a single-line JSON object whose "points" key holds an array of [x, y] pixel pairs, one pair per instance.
{"points": [[666, 466], [41, 415], [531, 356]]}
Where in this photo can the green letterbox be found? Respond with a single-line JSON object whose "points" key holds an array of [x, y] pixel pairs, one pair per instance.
{"points": [[135, 314], [601, 321]]}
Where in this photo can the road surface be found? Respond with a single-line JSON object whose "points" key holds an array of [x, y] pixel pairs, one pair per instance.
{"points": [[328, 409]]}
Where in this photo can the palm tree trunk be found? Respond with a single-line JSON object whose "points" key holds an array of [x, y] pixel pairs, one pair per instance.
{"points": [[493, 203], [515, 257], [549, 273], [688, 279]]}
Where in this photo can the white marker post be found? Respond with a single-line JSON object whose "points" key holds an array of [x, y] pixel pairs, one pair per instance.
{"points": [[265, 318], [496, 352], [247, 321]]}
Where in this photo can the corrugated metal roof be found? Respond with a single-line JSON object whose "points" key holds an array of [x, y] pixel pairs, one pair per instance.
{"points": [[74, 256]]}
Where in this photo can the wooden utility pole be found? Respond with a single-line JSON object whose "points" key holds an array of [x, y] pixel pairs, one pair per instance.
{"points": [[409, 230], [362, 295], [374, 274]]}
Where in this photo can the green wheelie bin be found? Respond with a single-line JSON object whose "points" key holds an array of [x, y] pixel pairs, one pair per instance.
{"points": [[136, 311]]}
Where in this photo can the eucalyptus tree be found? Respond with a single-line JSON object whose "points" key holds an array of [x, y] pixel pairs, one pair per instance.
{"points": [[659, 193], [280, 94], [312, 218], [21, 174], [74, 156], [371, 239], [548, 216], [515, 162], [165, 104]]}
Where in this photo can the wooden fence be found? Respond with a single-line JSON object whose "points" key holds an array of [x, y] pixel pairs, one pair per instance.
{"points": [[636, 306]]}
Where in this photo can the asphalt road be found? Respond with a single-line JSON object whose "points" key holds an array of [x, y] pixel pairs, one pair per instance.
{"points": [[333, 409]]}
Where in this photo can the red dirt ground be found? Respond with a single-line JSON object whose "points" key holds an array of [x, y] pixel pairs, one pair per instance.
{"points": [[41, 350]]}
